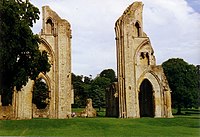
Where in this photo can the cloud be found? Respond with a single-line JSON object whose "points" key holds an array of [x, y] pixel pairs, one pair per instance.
{"points": [[195, 4], [172, 25]]}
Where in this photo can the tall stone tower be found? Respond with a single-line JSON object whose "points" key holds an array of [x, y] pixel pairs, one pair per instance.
{"points": [[142, 87], [56, 40]]}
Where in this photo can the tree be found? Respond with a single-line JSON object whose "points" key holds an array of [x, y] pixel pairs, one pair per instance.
{"points": [[109, 73], [20, 58], [81, 90], [183, 80], [86, 87], [40, 94], [98, 89], [198, 71]]}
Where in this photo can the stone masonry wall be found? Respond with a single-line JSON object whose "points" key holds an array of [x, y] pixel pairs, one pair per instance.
{"points": [[135, 63]]}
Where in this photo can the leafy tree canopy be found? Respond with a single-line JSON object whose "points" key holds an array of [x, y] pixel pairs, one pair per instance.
{"points": [[20, 58], [109, 73], [183, 80], [98, 91], [40, 94], [86, 87], [81, 89]]}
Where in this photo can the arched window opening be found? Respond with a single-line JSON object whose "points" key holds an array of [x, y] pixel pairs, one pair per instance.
{"points": [[144, 58], [40, 94], [146, 99], [50, 26], [148, 61], [142, 55], [138, 29]]}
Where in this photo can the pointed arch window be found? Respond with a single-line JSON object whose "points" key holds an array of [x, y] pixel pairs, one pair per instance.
{"points": [[50, 26], [138, 29]]}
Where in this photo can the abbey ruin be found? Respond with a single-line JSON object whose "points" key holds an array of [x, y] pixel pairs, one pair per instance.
{"points": [[142, 88], [56, 41]]}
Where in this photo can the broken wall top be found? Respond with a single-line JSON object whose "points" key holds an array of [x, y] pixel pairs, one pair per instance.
{"points": [[51, 17], [132, 14]]}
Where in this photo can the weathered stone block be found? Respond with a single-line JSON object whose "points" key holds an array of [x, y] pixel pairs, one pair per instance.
{"points": [[89, 111]]}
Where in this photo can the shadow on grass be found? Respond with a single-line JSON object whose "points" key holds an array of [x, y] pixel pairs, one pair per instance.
{"points": [[189, 112]]}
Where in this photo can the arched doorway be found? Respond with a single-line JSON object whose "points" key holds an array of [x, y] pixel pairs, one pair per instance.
{"points": [[41, 99], [146, 99], [40, 94]]}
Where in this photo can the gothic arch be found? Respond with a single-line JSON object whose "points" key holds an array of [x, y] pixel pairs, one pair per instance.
{"points": [[149, 55], [47, 47], [49, 26], [146, 99], [156, 89], [146, 41], [151, 76], [137, 28], [46, 78]]}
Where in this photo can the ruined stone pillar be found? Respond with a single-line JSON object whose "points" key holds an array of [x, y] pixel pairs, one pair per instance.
{"points": [[157, 105], [23, 103], [168, 105], [89, 110]]}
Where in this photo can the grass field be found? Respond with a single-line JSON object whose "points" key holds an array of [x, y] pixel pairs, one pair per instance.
{"points": [[185, 125]]}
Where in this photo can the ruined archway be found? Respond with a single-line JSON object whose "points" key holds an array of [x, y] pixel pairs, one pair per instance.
{"points": [[41, 94], [146, 99], [137, 71], [55, 39], [41, 98]]}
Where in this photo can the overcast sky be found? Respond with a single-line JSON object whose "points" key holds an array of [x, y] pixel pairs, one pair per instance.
{"points": [[172, 25]]}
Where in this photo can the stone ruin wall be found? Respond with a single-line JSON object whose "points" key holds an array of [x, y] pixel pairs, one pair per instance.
{"points": [[6, 112], [40, 113], [133, 66], [56, 40], [135, 63], [56, 33], [112, 100]]}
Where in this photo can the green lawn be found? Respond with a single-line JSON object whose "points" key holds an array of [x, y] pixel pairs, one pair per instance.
{"points": [[186, 125]]}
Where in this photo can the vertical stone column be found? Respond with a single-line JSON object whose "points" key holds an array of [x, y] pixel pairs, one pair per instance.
{"points": [[64, 54], [168, 105], [157, 105], [137, 105]]}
